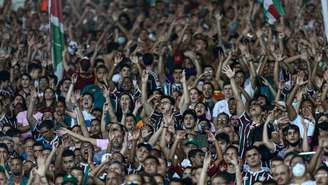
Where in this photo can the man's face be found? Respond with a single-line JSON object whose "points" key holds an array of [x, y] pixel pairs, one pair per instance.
{"points": [[253, 158], [118, 139], [125, 72], [207, 91], [46, 132], [275, 164], [189, 121], [150, 166], [198, 160], [115, 167], [255, 109], [177, 74], [65, 85], [208, 72], [68, 163], [142, 153], [16, 167], [227, 90], [239, 78], [165, 105], [87, 101], [29, 146], [293, 136], [281, 175], [37, 149], [306, 108]]}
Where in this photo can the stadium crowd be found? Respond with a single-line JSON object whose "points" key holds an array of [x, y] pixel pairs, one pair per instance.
{"points": [[166, 92]]}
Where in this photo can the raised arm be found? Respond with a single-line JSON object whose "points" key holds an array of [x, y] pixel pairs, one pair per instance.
{"points": [[325, 91], [203, 173], [71, 89], [305, 144], [186, 97], [231, 75], [265, 138], [104, 133], [290, 109], [222, 63], [31, 120], [147, 107], [315, 160], [78, 136], [81, 122], [179, 137], [194, 60]]}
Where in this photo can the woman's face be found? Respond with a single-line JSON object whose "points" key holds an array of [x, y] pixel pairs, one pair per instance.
{"points": [[25, 81], [189, 121], [307, 109], [100, 73], [127, 84], [18, 99], [194, 96], [125, 100], [129, 122], [48, 94], [200, 109]]}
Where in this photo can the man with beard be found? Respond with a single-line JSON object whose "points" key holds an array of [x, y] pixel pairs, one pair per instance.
{"points": [[16, 168]]}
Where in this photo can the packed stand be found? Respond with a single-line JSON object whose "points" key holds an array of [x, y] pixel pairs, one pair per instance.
{"points": [[165, 92]]}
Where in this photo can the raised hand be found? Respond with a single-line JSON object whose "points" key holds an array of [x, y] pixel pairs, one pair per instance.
{"points": [[190, 54], [183, 77], [228, 71], [136, 134], [211, 137], [300, 80], [117, 59], [145, 76], [134, 59], [278, 56], [181, 134], [74, 78], [218, 16], [41, 170]]}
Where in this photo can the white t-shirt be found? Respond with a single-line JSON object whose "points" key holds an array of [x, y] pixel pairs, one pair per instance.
{"points": [[219, 107], [298, 121]]}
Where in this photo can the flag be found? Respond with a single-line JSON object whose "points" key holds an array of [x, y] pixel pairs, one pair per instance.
{"points": [[57, 36], [272, 9], [324, 5]]}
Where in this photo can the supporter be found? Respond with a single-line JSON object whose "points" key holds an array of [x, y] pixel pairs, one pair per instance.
{"points": [[164, 92]]}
